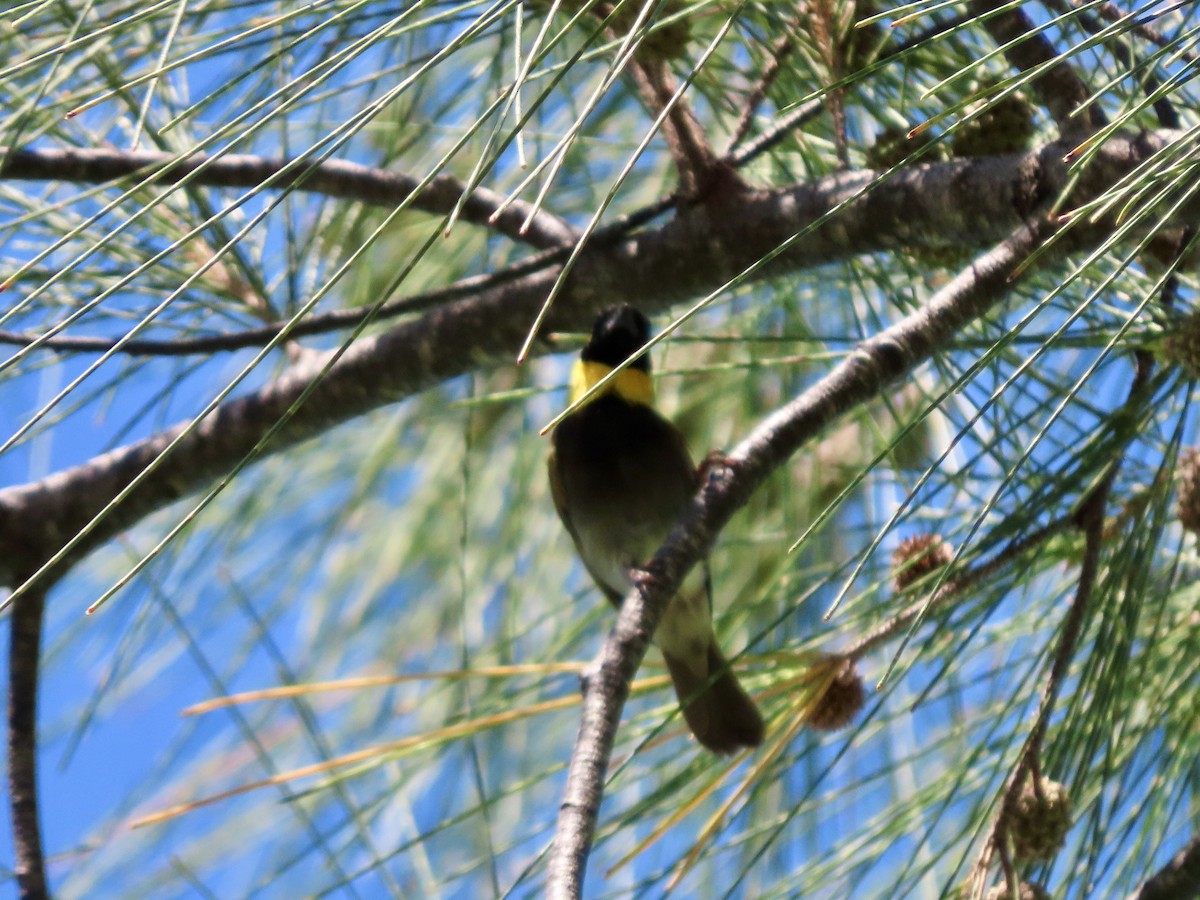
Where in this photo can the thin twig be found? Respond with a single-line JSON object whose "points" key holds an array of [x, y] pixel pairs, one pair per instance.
{"points": [[956, 586], [322, 323], [1163, 108], [878, 362], [697, 164], [781, 50], [1058, 86], [739, 156], [331, 178], [1114, 14], [1090, 518], [1011, 881], [801, 115], [24, 655]]}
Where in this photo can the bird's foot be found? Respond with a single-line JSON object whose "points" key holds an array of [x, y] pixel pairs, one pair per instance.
{"points": [[713, 462], [643, 579]]}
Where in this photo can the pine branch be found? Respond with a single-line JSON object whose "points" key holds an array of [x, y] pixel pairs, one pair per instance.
{"points": [[700, 170], [877, 362], [780, 51], [956, 587], [320, 323], [331, 178], [1057, 86], [52, 523], [1090, 519], [1113, 14], [739, 154], [1168, 117], [959, 203]]}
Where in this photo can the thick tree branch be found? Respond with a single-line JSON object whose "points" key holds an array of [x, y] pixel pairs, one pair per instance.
{"points": [[958, 204], [332, 178], [946, 204], [1177, 880], [877, 362]]}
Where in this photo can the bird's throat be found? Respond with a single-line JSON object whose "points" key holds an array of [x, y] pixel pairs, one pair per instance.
{"points": [[633, 385]]}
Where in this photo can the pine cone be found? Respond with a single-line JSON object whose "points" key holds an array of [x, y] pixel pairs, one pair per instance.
{"points": [[1039, 820], [1187, 489], [917, 556], [1004, 126], [1182, 345], [893, 146], [841, 702]]}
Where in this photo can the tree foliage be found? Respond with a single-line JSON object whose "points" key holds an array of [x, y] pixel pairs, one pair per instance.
{"points": [[289, 292]]}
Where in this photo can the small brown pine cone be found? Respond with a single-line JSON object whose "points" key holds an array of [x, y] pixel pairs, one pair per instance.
{"points": [[1004, 126], [917, 556], [1039, 820], [1027, 891], [841, 702], [1187, 489], [1181, 346], [893, 146]]}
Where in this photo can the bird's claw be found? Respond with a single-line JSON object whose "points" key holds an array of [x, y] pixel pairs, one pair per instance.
{"points": [[643, 579], [715, 460]]}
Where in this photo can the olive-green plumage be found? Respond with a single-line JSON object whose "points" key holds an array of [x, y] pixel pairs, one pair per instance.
{"points": [[621, 476]]}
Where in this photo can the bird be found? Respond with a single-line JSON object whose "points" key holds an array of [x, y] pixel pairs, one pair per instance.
{"points": [[621, 476]]}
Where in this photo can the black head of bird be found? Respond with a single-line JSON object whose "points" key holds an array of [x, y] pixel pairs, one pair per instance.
{"points": [[619, 332]]}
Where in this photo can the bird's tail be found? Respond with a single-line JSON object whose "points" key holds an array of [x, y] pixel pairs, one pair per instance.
{"points": [[720, 714]]}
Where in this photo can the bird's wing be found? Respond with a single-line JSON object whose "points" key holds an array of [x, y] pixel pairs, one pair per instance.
{"points": [[559, 493]]}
